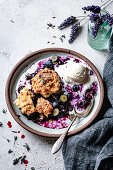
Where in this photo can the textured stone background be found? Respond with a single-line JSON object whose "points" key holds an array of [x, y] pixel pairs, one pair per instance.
{"points": [[23, 29]]}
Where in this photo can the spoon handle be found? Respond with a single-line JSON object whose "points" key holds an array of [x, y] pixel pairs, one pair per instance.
{"points": [[56, 147]]}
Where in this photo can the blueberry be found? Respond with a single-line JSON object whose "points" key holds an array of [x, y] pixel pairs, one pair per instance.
{"points": [[33, 116], [61, 107], [54, 59], [76, 60], [64, 110], [76, 88], [67, 94], [91, 72], [70, 108], [67, 104], [30, 76], [35, 101], [61, 114], [55, 97], [49, 64], [55, 104], [50, 116], [63, 98], [55, 112], [94, 93], [20, 88], [80, 104]]}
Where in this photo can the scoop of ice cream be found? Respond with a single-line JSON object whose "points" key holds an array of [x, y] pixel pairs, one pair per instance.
{"points": [[76, 73]]}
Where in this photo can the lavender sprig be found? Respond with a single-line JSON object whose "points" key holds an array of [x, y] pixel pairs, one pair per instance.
{"points": [[94, 9], [74, 31], [93, 17], [96, 27], [110, 21], [67, 22], [99, 21]]}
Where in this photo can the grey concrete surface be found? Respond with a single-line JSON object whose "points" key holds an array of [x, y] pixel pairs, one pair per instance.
{"points": [[23, 29]]}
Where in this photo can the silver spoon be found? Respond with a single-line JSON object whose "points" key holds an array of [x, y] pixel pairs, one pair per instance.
{"points": [[57, 145]]}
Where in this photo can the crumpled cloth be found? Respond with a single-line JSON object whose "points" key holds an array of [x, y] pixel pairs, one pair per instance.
{"points": [[92, 149]]}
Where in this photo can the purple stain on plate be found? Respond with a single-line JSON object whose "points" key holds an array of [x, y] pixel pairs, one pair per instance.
{"points": [[29, 76], [81, 87], [68, 88]]}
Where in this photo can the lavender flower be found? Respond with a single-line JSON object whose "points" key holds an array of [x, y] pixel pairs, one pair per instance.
{"points": [[94, 17], [108, 16], [105, 17], [67, 22], [74, 31], [94, 9], [110, 21], [96, 27]]}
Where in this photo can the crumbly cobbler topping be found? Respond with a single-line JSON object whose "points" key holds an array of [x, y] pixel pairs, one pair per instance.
{"points": [[24, 101], [46, 82], [44, 106]]}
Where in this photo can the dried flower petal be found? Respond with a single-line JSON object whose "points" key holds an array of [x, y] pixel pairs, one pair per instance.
{"points": [[14, 131], [27, 147], [32, 168], [10, 151], [15, 161], [50, 25], [23, 159], [15, 138], [6, 139], [4, 111], [1, 124]]}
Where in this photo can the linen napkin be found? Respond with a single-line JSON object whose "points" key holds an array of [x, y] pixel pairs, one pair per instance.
{"points": [[92, 149]]}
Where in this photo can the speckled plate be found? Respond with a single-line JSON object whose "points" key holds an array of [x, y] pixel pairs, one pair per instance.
{"points": [[22, 66]]}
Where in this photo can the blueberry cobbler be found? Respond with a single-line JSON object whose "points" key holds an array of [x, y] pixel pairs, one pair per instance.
{"points": [[50, 89]]}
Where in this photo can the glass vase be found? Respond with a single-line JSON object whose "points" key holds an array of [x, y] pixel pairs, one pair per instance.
{"points": [[101, 40]]}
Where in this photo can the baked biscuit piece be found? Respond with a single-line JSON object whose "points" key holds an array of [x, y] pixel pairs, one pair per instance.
{"points": [[46, 82], [44, 106], [24, 101]]}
